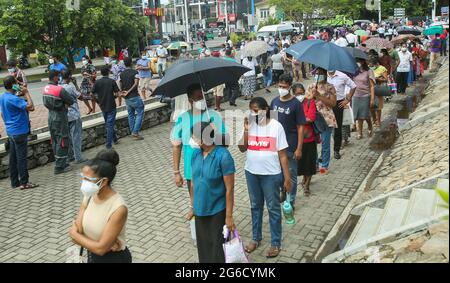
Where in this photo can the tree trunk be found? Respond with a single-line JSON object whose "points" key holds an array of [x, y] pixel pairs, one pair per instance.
{"points": [[70, 59]]}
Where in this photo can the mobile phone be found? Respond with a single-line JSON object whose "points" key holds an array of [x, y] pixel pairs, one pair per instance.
{"points": [[16, 88]]}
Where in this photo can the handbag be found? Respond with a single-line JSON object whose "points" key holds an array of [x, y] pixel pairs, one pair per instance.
{"points": [[319, 125], [392, 85], [233, 248], [347, 118]]}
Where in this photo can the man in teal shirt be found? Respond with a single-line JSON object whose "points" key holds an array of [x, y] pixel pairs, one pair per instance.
{"points": [[182, 136]]}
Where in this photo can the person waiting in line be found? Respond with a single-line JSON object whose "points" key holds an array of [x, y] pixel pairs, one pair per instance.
{"points": [[14, 112], [57, 100], [381, 78], [129, 81], [266, 165], [117, 67], [17, 73], [213, 174], [277, 65], [107, 90], [181, 136], [231, 88], [364, 98], [249, 78], [89, 74], [325, 95], [143, 66], [291, 117], [307, 164], [101, 222], [74, 119]]}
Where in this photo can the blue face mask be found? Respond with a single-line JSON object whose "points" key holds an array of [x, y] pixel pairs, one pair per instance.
{"points": [[320, 78]]}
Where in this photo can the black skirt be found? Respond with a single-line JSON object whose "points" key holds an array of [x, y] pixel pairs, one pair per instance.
{"points": [[111, 257], [210, 238], [307, 164]]}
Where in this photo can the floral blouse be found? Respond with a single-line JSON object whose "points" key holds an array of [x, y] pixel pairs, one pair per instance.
{"points": [[327, 112]]}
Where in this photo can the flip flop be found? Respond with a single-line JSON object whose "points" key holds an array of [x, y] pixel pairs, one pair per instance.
{"points": [[273, 252], [28, 186]]}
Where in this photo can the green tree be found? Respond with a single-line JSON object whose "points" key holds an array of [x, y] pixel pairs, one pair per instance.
{"points": [[268, 22], [49, 27]]}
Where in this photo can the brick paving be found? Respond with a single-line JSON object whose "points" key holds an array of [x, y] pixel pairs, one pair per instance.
{"points": [[34, 224]]}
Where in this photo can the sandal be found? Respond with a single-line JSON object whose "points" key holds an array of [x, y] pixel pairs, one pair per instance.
{"points": [[252, 246], [28, 186], [273, 252], [370, 132], [306, 192], [359, 136]]}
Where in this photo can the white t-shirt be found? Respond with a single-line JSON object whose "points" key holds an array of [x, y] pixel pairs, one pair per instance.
{"points": [[381, 30], [277, 61], [341, 42], [263, 146], [352, 38], [250, 64], [405, 59], [161, 52]]}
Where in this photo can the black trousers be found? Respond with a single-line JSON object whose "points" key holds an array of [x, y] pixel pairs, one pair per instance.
{"points": [[111, 257], [232, 91], [276, 75], [303, 70], [210, 238], [402, 81], [339, 114]]}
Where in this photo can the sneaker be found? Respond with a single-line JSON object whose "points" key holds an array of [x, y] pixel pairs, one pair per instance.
{"points": [[138, 137], [84, 160]]}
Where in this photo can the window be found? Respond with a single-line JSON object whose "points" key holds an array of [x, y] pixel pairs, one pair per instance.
{"points": [[264, 13]]}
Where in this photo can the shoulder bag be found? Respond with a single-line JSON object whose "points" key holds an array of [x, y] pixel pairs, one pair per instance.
{"points": [[382, 90], [319, 125]]}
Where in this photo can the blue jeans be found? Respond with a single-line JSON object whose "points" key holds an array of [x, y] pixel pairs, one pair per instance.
{"points": [[18, 165], [268, 78], [326, 148], [260, 188], [293, 164], [110, 120], [135, 108], [75, 134]]}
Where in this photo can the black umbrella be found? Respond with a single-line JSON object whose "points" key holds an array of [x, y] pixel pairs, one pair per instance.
{"points": [[408, 30], [357, 53], [209, 72]]}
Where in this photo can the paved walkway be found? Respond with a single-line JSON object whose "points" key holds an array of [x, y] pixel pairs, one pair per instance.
{"points": [[34, 224]]}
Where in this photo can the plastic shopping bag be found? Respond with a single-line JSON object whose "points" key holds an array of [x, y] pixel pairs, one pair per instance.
{"points": [[347, 119], [233, 248]]}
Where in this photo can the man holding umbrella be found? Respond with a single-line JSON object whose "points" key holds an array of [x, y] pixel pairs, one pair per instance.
{"points": [[182, 136]]}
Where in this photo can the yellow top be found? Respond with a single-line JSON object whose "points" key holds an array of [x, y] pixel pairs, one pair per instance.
{"points": [[379, 71], [97, 215]]}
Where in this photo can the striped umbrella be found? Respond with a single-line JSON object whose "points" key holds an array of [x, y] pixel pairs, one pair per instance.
{"points": [[378, 43]]}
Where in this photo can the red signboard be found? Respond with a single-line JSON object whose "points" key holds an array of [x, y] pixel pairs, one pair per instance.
{"points": [[232, 17], [153, 12], [212, 25]]}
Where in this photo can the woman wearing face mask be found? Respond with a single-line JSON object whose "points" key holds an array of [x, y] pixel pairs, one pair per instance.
{"points": [[381, 78], [364, 98], [100, 225], [403, 69], [89, 74], [265, 142], [307, 165], [249, 78], [325, 95], [213, 184]]}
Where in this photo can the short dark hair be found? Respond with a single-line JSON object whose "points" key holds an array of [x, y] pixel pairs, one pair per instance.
{"points": [[228, 52], [8, 82], [104, 164], [127, 61], [191, 88], [11, 63], [437, 34], [66, 74], [52, 74], [287, 78], [105, 70], [261, 103]]}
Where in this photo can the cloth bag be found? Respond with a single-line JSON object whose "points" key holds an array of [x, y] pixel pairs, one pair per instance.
{"points": [[233, 248], [347, 119], [382, 90]]}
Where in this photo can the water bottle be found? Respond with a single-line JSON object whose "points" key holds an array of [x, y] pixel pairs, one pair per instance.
{"points": [[193, 232], [288, 211]]}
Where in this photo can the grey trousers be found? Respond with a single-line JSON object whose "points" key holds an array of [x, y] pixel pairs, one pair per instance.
{"points": [[76, 137]]}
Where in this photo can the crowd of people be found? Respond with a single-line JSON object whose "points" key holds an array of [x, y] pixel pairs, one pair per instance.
{"points": [[280, 137]]}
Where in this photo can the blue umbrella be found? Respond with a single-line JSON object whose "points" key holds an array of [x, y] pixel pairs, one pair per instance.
{"points": [[323, 54]]}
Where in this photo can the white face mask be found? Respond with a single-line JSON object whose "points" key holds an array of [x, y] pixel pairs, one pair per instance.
{"points": [[403, 49], [85, 62], [359, 64], [51, 61], [12, 70], [144, 57], [90, 189], [193, 143], [200, 105], [283, 92], [301, 97]]}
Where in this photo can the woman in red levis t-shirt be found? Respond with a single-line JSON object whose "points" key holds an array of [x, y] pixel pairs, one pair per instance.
{"points": [[307, 165]]}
